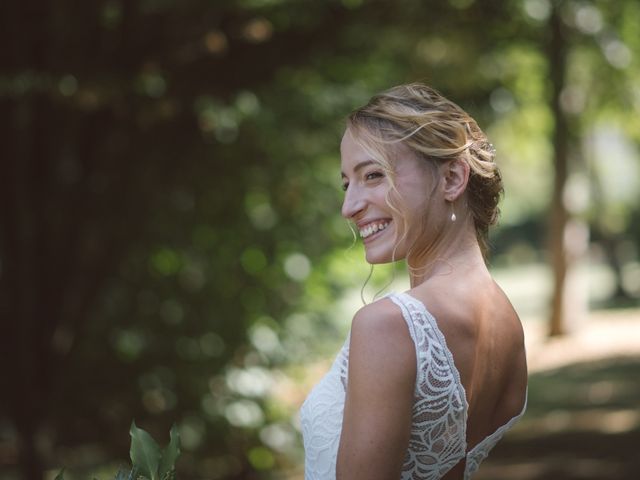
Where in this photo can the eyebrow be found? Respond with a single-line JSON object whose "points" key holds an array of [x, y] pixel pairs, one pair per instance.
{"points": [[360, 166]]}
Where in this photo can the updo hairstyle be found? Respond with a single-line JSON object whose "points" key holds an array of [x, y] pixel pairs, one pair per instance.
{"points": [[436, 129]]}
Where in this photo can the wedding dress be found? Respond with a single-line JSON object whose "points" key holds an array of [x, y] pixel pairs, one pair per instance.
{"points": [[438, 432]]}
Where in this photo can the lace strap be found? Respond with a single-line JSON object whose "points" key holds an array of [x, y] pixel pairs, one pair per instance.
{"points": [[440, 408], [411, 305], [406, 314]]}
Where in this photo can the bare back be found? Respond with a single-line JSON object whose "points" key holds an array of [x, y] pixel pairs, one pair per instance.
{"points": [[484, 334]]}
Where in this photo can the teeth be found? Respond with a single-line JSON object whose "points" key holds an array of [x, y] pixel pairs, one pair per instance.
{"points": [[373, 228]]}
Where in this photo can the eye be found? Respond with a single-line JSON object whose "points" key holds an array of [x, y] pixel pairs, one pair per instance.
{"points": [[373, 175], [345, 186]]}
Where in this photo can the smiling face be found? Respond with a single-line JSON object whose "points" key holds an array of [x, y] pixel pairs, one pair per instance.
{"points": [[413, 158], [370, 198]]}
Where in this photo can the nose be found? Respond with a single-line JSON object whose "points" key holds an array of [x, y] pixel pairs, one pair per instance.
{"points": [[353, 203]]}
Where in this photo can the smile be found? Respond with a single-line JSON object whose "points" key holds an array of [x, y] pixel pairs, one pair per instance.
{"points": [[372, 228]]}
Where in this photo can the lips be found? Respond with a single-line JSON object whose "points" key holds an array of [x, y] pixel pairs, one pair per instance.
{"points": [[371, 228]]}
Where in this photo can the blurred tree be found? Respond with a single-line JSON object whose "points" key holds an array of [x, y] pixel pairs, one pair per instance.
{"points": [[591, 79], [138, 234], [560, 257]]}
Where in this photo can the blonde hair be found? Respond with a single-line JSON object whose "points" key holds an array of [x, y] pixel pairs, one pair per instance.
{"points": [[433, 128]]}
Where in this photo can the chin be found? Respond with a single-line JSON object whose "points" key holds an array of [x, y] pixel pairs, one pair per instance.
{"points": [[377, 260], [383, 250], [379, 256]]}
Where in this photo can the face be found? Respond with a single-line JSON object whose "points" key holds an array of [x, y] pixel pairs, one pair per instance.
{"points": [[366, 186]]}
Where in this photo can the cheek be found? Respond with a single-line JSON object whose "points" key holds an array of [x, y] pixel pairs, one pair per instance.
{"points": [[411, 219], [398, 214]]}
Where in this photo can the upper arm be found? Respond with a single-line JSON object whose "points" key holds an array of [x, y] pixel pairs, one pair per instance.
{"points": [[380, 392]]}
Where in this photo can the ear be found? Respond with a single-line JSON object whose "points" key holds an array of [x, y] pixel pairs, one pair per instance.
{"points": [[455, 178]]}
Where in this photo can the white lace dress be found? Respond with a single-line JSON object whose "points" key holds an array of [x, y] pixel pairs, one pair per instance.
{"points": [[438, 432]]}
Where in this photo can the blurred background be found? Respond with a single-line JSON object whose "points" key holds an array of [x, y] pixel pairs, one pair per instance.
{"points": [[171, 248]]}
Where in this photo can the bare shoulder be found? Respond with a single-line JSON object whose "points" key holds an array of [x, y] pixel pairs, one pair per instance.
{"points": [[452, 307], [380, 338], [379, 317], [380, 392], [462, 308]]}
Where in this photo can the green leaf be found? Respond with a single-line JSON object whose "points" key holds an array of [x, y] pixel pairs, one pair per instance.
{"points": [[60, 475], [171, 453], [145, 453]]}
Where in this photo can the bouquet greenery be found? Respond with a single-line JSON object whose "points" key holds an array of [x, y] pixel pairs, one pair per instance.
{"points": [[149, 462]]}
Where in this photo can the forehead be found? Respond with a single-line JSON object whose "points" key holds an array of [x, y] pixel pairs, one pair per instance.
{"points": [[353, 154]]}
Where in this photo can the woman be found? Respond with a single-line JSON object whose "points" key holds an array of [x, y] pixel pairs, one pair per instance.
{"points": [[430, 379]]}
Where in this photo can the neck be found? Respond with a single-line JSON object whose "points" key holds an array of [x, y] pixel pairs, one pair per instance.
{"points": [[460, 255]]}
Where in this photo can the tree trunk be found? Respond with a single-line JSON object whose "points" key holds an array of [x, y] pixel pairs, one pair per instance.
{"points": [[559, 218]]}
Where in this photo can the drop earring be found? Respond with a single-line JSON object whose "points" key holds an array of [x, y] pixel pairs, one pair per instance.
{"points": [[453, 214]]}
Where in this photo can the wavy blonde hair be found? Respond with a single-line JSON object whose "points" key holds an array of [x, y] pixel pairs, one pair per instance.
{"points": [[418, 118]]}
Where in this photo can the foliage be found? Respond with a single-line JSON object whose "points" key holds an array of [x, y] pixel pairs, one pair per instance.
{"points": [[148, 461]]}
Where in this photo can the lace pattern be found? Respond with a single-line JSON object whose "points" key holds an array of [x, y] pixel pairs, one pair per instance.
{"points": [[438, 432], [321, 419]]}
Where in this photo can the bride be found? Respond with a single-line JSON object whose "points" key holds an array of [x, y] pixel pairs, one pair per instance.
{"points": [[428, 380]]}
